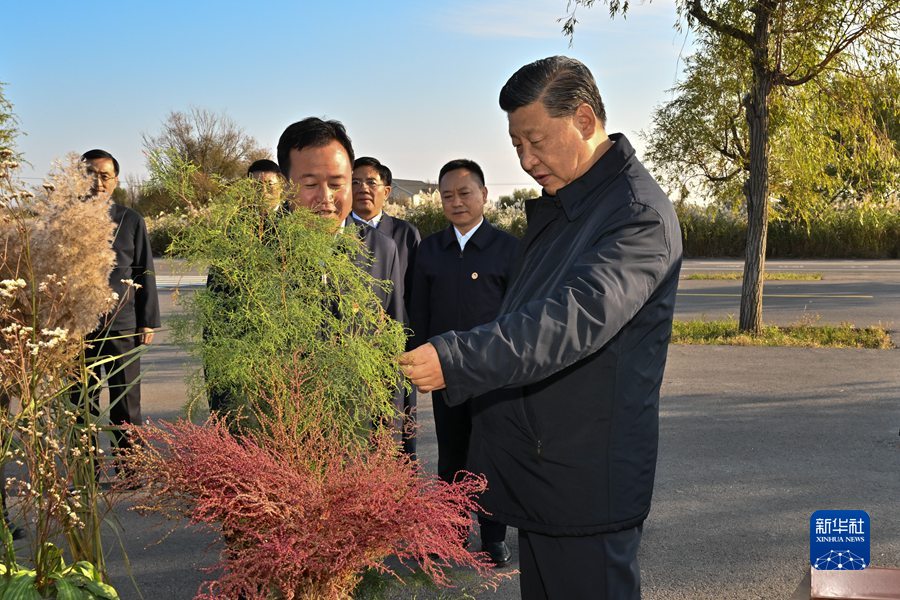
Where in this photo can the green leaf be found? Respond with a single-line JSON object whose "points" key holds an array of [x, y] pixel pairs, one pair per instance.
{"points": [[102, 590], [65, 590], [52, 558], [21, 587]]}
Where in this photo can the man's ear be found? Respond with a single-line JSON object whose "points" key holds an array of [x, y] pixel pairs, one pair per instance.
{"points": [[585, 120], [387, 191], [484, 193]]}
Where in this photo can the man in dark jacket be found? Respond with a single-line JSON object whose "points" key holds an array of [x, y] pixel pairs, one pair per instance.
{"points": [[137, 314], [371, 187], [460, 276], [581, 344]]}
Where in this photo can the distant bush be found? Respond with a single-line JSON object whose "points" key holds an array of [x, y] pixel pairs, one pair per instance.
{"points": [[864, 230], [163, 228], [428, 216], [867, 230]]}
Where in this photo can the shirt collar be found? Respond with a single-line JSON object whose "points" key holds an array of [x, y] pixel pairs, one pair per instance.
{"points": [[462, 239], [373, 222]]}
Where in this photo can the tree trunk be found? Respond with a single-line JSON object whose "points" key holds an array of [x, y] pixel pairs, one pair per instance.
{"points": [[756, 188]]}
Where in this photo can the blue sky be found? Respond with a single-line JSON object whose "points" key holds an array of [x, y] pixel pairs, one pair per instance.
{"points": [[416, 83]]}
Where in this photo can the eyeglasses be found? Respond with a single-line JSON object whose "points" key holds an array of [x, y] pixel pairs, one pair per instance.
{"points": [[101, 176], [370, 183]]}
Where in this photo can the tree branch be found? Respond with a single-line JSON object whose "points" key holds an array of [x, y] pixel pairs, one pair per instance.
{"points": [[698, 12]]}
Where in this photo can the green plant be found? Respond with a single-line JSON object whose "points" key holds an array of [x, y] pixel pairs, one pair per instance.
{"points": [[79, 581], [284, 285]]}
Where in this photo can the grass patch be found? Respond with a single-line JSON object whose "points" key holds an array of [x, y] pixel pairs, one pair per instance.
{"points": [[726, 332], [769, 276]]}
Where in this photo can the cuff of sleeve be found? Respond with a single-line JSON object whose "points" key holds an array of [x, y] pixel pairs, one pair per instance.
{"points": [[453, 394]]}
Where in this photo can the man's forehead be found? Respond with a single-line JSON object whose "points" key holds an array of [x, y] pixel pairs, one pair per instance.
{"points": [[101, 164], [331, 160], [366, 170]]}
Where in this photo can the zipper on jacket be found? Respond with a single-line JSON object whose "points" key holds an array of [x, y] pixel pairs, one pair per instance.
{"points": [[539, 447]]}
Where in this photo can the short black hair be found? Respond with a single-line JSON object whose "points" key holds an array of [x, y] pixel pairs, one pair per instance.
{"points": [[314, 132], [97, 153], [562, 84], [383, 171], [263, 165], [462, 163]]}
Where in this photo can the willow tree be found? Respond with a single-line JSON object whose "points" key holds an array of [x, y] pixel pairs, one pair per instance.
{"points": [[833, 142], [787, 44]]}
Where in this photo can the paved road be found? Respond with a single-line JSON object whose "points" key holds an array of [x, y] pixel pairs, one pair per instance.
{"points": [[855, 291], [859, 292], [753, 440]]}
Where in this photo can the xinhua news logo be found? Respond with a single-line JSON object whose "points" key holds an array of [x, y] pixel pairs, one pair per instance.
{"points": [[839, 540]]}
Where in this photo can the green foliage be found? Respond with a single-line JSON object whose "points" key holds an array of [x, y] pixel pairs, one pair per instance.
{"points": [[217, 146], [284, 287], [428, 217], [80, 581], [803, 335], [861, 230], [831, 140], [165, 227], [770, 276], [517, 198]]}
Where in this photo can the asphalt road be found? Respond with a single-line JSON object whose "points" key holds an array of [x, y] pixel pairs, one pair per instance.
{"points": [[752, 441], [854, 291]]}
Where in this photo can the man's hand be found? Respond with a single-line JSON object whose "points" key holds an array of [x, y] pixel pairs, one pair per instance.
{"points": [[423, 368], [146, 335]]}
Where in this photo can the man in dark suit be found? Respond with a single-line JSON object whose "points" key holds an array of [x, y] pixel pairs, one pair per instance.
{"points": [[371, 187], [137, 314], [316, 157], [580, 345], [460, 276]]}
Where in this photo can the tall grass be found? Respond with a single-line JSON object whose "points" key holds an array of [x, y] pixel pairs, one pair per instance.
{"points": [[864, 230]]}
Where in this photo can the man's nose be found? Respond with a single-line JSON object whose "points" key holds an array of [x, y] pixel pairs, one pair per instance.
{"points": [[528, 160]]}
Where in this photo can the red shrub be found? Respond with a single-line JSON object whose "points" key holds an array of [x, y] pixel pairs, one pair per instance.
{"points": [[303, 516]]}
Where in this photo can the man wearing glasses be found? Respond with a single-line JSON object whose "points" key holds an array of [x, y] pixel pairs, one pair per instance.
{"points": [[137, 313], [371, 187]]}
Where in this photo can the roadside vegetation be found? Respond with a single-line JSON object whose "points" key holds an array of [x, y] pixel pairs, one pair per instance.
{"points": [[802, 335], [769, 276]]}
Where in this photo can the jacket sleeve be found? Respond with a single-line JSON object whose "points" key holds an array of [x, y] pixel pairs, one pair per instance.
{"points": [[146, 299], [603, 290]]}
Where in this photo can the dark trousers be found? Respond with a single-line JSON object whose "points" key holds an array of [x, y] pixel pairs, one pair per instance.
{"points": [[453, 425], [593, 567], [123, 379]]}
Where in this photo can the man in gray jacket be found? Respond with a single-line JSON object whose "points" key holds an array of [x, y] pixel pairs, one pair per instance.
{"points": [[569, 448]]}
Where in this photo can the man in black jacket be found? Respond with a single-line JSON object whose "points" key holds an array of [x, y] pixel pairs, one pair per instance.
{"points": [[460, 276], [581, 344], [137, 314], [371, 187]]}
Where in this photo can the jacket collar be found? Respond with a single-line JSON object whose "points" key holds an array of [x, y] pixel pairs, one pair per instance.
{"points": [[576, 197], [481, 238]]}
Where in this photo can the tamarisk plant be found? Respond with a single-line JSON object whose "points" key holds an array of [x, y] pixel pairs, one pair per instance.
{"points": [[55, 260], [283, 285], [302, 513]]}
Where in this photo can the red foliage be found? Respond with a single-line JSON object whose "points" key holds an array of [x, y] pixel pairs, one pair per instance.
{"points": [[302, 515]]}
